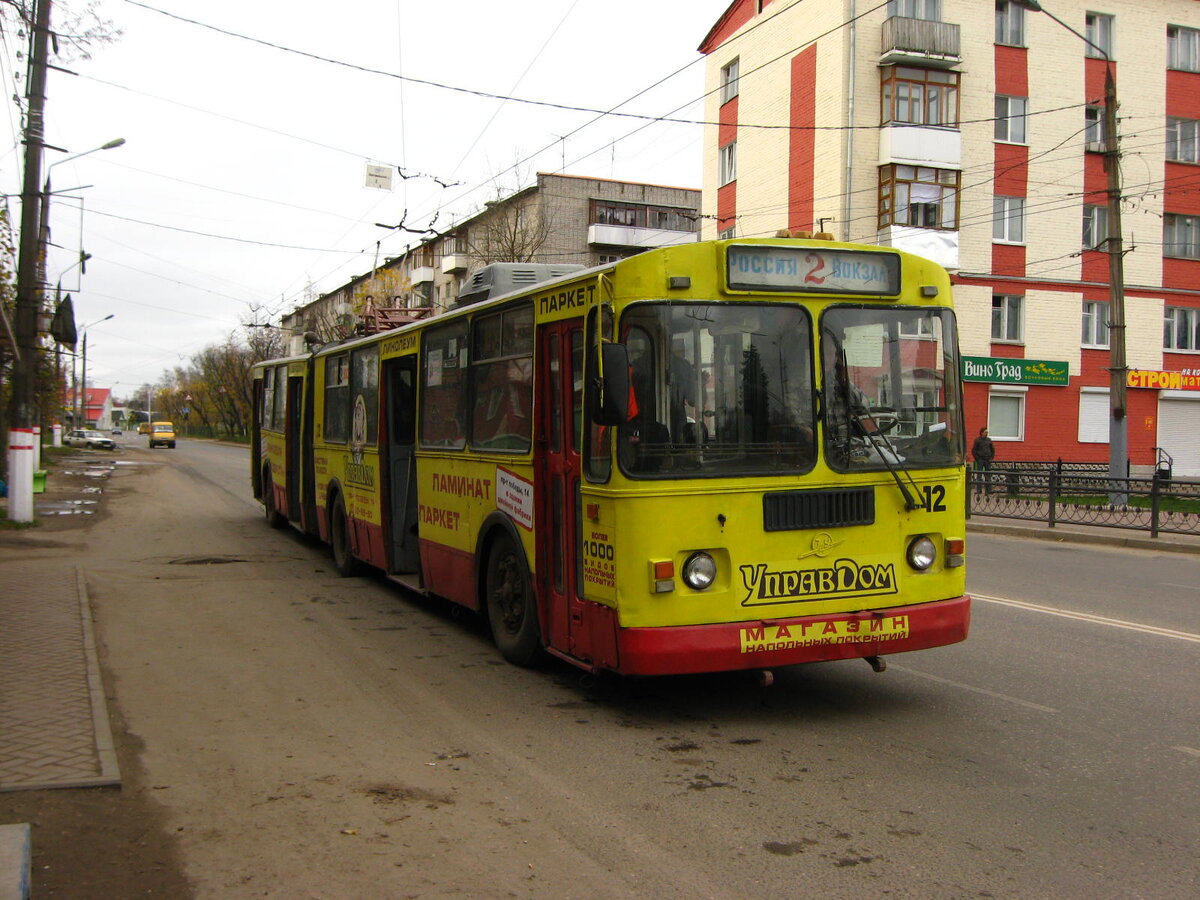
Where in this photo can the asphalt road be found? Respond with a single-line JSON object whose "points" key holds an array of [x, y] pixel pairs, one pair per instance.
{"points": [[310, 736]]}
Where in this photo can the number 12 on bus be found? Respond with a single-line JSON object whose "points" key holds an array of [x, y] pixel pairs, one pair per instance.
{"points": [[726, 455]]}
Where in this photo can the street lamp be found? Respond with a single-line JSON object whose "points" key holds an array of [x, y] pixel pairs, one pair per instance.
{"points": [[80, 409], [1118, 440], [45, 205]]}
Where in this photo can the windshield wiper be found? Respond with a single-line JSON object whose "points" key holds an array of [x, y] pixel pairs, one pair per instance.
{"points": [[883, 448]]}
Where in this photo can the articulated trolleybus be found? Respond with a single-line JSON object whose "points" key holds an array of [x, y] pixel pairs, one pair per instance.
{"points": [[739, 454]]}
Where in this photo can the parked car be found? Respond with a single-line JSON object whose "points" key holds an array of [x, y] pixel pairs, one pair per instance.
{"points": [[88, 439], [116, 431], [162, 434]]}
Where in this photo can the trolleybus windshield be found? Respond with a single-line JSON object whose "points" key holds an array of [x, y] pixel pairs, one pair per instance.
{"points": [[719, 390], [886, 395]]}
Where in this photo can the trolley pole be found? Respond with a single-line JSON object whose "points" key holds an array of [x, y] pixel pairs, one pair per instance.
{"points": [[23, 407]]}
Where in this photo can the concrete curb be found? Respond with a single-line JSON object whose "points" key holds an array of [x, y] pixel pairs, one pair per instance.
{"points": [[15, 867], [1058, 535]]}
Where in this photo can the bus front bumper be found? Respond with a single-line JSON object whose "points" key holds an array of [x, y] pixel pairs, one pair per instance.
{"points": [[770, 643]]}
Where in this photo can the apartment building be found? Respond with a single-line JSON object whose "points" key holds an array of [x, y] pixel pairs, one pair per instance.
{"points": [[561, 219], [976, 134]]}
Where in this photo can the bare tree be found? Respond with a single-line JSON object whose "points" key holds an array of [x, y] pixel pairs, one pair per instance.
{"points": [[514, 225]]}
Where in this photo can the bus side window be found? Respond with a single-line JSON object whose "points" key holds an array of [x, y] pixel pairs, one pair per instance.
{"points": [[502, 381], [443, 401], [598, 446]]}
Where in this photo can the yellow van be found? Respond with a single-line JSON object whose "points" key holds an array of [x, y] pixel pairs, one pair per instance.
{"points": [[162, 434], [143, 428]]}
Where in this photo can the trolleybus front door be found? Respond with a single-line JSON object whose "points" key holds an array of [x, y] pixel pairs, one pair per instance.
{"points": [[401, 379], [557, 487]]}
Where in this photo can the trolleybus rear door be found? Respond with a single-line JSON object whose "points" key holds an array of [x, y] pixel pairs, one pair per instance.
{"points": [[401, 379], [557, 484], [295, 429]]}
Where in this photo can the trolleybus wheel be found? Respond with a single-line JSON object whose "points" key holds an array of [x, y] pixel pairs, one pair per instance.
{"points": [[510, 606], [275, 518], [339, 539]]}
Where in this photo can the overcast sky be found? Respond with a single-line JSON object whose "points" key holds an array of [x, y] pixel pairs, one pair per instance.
{"points": [[241, 183]]}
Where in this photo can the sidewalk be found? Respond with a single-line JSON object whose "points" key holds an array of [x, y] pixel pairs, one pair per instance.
{"points": [[54, 730]]}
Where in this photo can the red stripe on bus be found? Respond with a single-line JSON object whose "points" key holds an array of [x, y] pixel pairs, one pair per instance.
{"points": [[713, 648]]}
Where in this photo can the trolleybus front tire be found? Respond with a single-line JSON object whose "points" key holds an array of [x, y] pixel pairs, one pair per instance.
{"points": [[339, 539], [512, 612]]}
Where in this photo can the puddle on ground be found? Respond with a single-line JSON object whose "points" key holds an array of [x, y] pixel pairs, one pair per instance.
{"points": [[91, 490], [130, 462], [66, 507]]}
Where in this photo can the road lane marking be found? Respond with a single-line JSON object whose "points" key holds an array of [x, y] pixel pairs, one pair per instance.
{"points": [[1190, 750], [978, 690], [1096, 620], [1186, 587]]}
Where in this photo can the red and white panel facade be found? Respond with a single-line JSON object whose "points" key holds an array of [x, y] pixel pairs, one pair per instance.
{"points": [[977, 140]]}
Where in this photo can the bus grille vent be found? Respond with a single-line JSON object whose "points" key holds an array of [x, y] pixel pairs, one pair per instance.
{"points": [[794, 510]]}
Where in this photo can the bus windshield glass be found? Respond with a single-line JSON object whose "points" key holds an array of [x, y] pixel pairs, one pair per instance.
{"points": [[889, 397], [718, 390]]}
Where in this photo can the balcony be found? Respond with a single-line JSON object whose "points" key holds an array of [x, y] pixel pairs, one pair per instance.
{"points": [[454, 262], [920, 42], [632, 236], [422, 275], [919, 145], [939, 246]]}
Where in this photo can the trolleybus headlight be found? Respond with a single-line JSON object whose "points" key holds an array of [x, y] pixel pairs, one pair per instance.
{"points": [[700, 571], [921, 553]]}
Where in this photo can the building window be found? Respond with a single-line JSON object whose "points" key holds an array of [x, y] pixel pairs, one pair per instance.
{"points": [[919, 96], [1095, 413], [930, 10], [729, 82], [1010, 119], [1183, 48], [1099, 31], [1095, 226], [641, 215], [1094, 131], [1008, 318], [1181, 236], [1006, 414], [1095, 323], [1181, 328], [1183, 140], [918, 196], [1008, 219], [1010, 24], [727, 234], [727, 164]]}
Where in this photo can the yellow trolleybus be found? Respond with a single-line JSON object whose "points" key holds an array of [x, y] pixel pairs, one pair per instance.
{"points": [[726, 455]]}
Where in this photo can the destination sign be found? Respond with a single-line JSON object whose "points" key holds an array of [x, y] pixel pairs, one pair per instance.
{"points": [[763, 267]]}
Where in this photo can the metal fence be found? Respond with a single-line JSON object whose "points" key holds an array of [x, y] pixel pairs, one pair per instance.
{"points": [[1084, 494]]}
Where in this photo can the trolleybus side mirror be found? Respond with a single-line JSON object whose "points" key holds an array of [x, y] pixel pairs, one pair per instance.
{"points": [[610, 401]]}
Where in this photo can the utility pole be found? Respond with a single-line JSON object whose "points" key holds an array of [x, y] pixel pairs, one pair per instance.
{"points": [[22, 411], [1118, 422]]}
